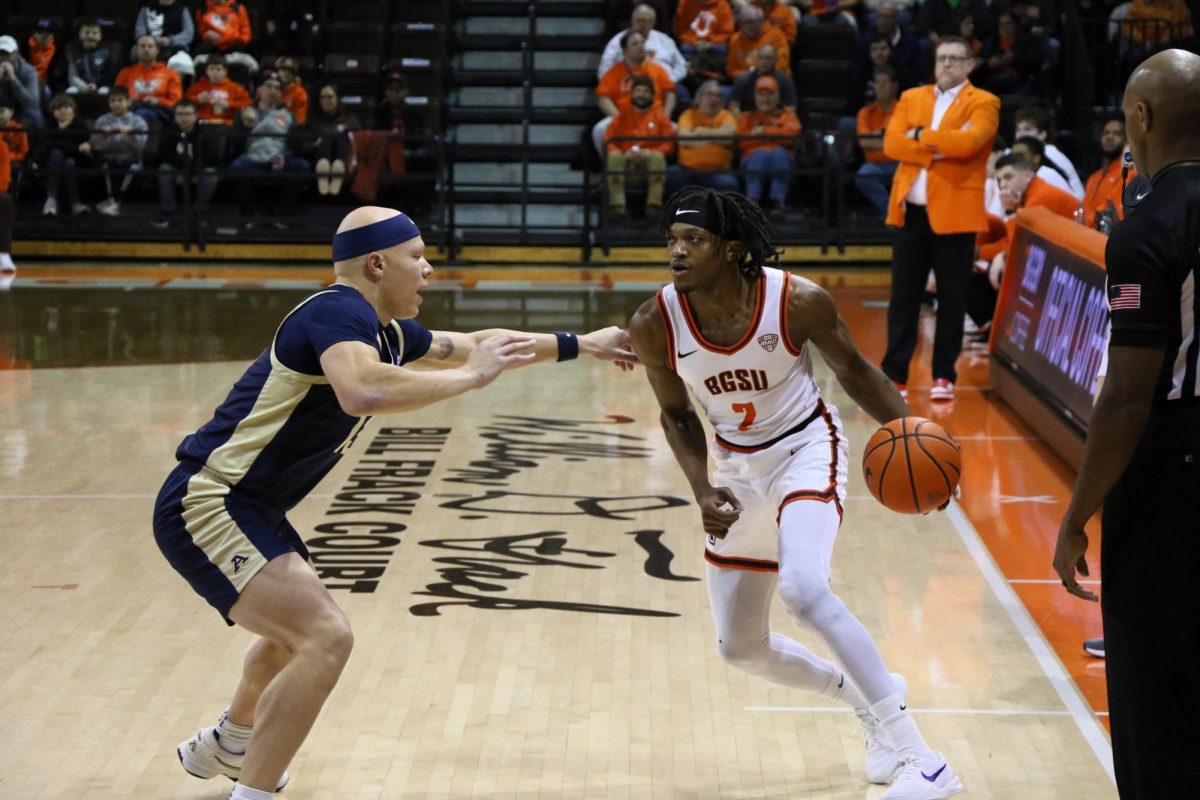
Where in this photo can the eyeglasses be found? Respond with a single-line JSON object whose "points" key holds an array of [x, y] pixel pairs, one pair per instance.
{"points": [[952, 59]]}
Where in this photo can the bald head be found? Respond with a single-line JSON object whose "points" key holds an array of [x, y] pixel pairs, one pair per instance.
{"points": [[1160, 104]]}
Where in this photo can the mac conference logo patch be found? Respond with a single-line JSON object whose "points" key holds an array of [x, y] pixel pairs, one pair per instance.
{"points": [[769, 341]]}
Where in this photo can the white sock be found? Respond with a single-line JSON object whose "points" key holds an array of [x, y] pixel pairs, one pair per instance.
{"points": [[6, 261], [241, 792], [233, 738], [893, 715], [841, 689]]}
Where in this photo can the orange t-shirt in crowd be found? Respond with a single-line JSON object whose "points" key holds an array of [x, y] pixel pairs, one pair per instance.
{"points": [[780, 123], [17, 139], [712, 154], [874, 119], [711, 20], [1038, 193], [295, 100], [631, 122], [617, 83], [781, 17], [227, 93], [229, 20], [5, 170], [1104, 187], [40, 56], [157, 80], [1174, 13], [741, 51]]}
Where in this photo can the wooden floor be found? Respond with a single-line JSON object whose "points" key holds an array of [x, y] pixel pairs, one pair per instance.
{"points": [[536, 626]]}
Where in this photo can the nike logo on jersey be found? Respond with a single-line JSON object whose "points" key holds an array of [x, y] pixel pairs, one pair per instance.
{"points": [[687, 211], [1140, 196], [685, 355]]}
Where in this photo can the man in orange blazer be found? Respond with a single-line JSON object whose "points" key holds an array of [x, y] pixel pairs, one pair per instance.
{"points": [[941, 135]]}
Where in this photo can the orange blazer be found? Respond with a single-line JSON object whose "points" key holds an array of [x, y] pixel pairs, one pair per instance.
{"points": [[955, 180]]}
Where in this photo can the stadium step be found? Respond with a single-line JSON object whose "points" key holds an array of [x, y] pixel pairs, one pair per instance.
{"points": [[508, 174]]}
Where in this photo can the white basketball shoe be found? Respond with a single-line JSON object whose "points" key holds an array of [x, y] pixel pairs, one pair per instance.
{"points": [[203, 757], [928, 778], [883, 760]]}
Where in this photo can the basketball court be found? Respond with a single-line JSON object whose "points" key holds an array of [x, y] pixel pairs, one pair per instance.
{"points": [[522, 567]]}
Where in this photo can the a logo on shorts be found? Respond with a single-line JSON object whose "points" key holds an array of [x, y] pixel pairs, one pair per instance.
{"points": [[769, 341], [238, 561]]}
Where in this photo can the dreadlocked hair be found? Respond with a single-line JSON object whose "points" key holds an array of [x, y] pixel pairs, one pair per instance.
{"points": [[740, 220]]}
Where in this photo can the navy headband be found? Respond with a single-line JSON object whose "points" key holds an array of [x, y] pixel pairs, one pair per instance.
{"points": [[376, 236], [695, 211]]}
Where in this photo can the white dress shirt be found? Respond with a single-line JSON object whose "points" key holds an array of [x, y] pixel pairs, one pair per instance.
{"points": [[942, 103], [659, 47]]}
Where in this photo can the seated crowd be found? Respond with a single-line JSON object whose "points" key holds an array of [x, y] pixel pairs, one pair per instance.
{"points": [[195, 94]]}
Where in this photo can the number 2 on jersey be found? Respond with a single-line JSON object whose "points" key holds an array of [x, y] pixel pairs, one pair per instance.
{"points": [[748, 410]]}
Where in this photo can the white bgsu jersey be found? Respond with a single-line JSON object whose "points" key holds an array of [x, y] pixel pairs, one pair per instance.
{"points": [[757, 390]]}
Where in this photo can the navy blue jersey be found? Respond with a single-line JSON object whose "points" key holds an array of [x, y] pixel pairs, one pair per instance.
{"points": [[281, 428]]}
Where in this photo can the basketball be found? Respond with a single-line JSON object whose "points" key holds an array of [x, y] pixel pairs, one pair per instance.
{"points": [[912, 465]]}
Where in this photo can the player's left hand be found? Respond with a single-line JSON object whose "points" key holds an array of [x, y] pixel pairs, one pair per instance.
{"points": [[609, 344], [957, 496], [1069, 558]]}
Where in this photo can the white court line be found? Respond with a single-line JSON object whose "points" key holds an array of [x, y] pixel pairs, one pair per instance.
{"points": [[1048, 580], [963, 712], [1067, 691]]}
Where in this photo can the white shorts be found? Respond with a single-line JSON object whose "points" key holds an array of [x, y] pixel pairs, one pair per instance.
{"points": [[809, 465]]}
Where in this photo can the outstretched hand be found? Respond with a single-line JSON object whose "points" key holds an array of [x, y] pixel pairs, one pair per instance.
{"points": [[496, 353], [610, 344], [1069, 558]]}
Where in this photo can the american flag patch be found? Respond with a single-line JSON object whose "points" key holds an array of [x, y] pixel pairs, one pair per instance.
{"points": [[1124, 296]]}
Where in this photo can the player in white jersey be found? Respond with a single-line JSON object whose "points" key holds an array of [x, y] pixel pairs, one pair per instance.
{"points": [[737, 334]]}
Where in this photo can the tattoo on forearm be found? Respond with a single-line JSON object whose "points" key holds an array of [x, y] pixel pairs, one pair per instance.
{"points": [[445, 347]]}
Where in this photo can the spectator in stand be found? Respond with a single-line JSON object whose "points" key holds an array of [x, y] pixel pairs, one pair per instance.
{"points": [[61, 149], [91, 67], [329, 128], [1034, 151], [1105, 188], [217, 98], [829, 12], [703, 28], [705, 139], [963, 24], [765, 63], [1019, 188], [619, 12], [660, 47], [267, 127], [755, 33], [648, 157], [874, 177], [396, 114], [295, 96], [905, 50], [13, 134], [19, 84], [1037, 121], [118, 139], [781, 16], [767, 163], [170, 23], [862, 89], [223, 26], [294, 26], [180, 161], [7, 214], [936, 16], [613, 91], [154, 87], [1153, 24], [1012, 59], [42, 49]]}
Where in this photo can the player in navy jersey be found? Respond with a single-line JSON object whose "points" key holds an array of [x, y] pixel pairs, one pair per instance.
{"points": [[336, 359], [737, 332], [1142, 460]]}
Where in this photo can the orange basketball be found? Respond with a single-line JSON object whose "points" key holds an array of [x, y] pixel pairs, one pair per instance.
{"points": [[912, 465]]}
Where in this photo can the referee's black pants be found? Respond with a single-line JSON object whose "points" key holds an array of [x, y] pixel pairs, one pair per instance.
{"points": [[1149, 550], [915, 249]]}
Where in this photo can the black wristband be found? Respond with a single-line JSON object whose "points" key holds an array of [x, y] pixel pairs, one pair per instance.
{"points": [[568, 346]]}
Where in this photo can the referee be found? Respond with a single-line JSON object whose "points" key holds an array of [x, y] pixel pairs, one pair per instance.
{"points": [[1143, 452]]}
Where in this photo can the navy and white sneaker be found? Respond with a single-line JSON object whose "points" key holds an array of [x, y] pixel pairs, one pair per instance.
{"points": [[204, 757], [928, 778]]}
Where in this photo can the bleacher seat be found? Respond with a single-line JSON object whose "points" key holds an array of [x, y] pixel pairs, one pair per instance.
{"points": [[125, 10], [357, 75], [435, 11], [424, 40], [353, 36], [62, 9], [358, 11]]}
